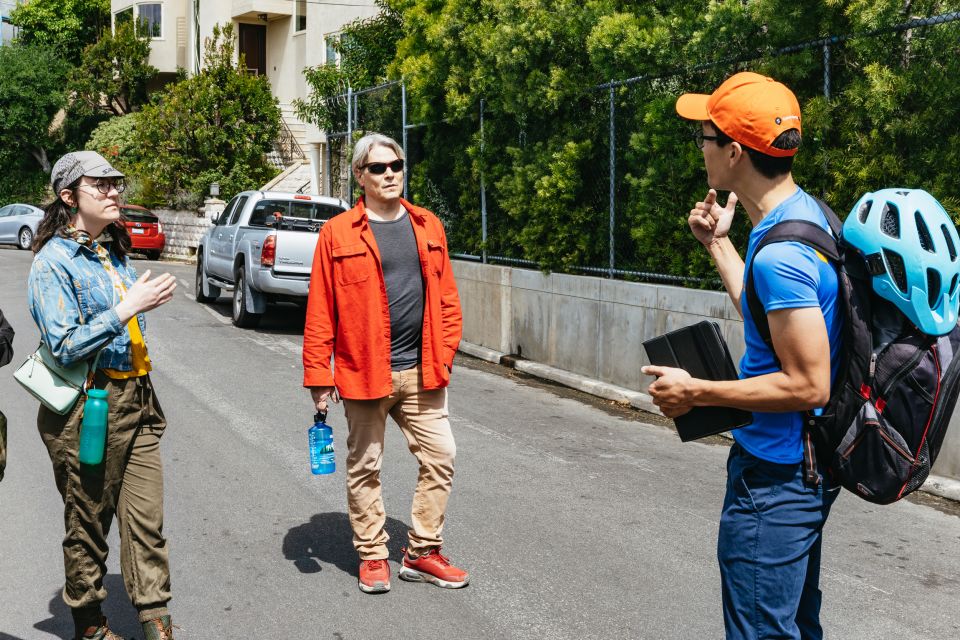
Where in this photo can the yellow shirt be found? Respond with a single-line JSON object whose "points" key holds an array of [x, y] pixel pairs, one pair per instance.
{"points": [[139, 360]]}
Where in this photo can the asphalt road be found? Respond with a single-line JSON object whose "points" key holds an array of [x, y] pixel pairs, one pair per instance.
{"points": [[576, 519]]}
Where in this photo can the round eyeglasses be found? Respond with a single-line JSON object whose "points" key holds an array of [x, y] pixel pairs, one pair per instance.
{"points": [[105, 186]]}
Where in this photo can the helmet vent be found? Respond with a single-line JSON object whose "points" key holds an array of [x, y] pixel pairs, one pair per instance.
{"points": [[864, 211], [926, 242], [946, 236], [895, 269], [933, 287], [890, 220], [953, 284]]}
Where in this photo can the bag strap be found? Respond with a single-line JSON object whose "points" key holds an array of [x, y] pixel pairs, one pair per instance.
{"points": [[804, 232], [814, 236], [93, 369]]}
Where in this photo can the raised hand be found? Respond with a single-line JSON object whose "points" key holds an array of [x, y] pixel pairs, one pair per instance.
{"points": [[146, 294], [709, 221]]}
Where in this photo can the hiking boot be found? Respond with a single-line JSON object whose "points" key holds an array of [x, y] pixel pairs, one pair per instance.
{"points": [[374, 576], [99, 632], [158, 629], [433, 567]]}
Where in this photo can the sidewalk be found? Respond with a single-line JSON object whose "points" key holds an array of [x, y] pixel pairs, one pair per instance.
{"points": [[937, 485]]}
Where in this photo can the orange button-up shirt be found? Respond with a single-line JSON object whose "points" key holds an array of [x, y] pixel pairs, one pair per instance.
{"points": [[348, 315]]}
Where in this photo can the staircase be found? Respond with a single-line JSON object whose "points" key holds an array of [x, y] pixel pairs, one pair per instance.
{"points": [[289, 155]]}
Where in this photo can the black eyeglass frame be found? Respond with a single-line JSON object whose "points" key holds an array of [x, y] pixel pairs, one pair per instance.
{"points": [[104, 185], [380, 168], [699, 137]]}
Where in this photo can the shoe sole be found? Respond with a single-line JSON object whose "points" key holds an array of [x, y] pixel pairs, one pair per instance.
{"points": [[412, 575], [378, 587]]}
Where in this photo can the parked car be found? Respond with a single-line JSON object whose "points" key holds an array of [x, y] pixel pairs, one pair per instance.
{"points": [[146, 232], [261, 249], [18, 224]]}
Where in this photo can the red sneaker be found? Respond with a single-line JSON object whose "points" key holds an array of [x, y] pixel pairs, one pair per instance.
{"points": [[433, 567], [374, 576]]}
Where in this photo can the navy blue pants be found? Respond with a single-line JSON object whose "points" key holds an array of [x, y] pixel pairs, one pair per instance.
{"points": [[769, 549]]}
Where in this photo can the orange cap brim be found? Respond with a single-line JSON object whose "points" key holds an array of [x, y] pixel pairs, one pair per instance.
{"points": [[693, 106]]}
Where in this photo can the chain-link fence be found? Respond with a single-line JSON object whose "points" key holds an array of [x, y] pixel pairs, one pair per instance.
{"points": [[631, 196]]}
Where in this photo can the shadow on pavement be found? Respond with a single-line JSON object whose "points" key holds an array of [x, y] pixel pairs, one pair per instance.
{"points": [[327, 539], [117, 608], [280, 319]]}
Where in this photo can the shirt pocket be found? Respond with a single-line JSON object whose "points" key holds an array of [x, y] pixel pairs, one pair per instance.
{"points": [[93, 295], [350, 264], [435, 257]]}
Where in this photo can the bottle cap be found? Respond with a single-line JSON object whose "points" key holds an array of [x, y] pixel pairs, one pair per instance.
{"points": [[97, 393], [320, 416]]}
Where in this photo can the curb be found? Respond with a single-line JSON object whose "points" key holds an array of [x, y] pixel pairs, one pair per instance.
{"points": [[937, 485]]}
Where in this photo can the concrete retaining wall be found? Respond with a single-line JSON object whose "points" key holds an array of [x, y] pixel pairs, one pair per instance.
{"points": [[595, 327]]}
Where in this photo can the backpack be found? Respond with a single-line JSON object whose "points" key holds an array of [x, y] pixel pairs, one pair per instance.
{"points": [[894, 393]]}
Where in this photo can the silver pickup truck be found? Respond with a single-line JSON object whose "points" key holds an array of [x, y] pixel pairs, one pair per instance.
{"points": [[261, 249]]}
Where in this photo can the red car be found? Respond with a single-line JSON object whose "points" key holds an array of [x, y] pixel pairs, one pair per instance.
{"points": [[146, 232]]}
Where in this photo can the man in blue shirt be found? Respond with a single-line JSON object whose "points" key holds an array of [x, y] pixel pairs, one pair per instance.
{"points": [[772, 520]]}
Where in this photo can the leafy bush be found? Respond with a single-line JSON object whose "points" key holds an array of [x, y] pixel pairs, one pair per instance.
{"points": [[888, 121], [215, 126]]}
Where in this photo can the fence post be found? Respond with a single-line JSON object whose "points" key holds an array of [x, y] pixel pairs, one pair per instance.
{"points": [[349, 148], [826, 70], [613, 170], [327, 180], [403, 116], [483, 192]]}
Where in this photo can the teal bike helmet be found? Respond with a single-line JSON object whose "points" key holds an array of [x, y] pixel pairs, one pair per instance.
{"points": [[910, 245]]}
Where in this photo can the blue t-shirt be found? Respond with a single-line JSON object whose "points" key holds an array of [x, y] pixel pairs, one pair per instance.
{"points": [[786, 275]]}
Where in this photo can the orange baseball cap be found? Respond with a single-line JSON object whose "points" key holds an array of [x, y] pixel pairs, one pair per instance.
{"points": [[750, 108]]}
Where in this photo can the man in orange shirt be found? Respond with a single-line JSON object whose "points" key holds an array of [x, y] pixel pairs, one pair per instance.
{"points": [[384, 304]]}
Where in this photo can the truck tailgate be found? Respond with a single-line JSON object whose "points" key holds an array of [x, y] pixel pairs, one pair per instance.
{"points": [[294, 252]]}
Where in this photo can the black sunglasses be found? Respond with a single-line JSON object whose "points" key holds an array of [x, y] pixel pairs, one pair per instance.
{"points": [[699, 137], [378, 168]]}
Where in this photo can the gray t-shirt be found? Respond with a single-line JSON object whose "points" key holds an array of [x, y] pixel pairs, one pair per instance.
{"points": [[404, 281]]}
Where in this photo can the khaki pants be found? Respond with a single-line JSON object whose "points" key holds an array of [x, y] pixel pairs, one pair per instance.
{"points": [[129, 484], [422, 417]]}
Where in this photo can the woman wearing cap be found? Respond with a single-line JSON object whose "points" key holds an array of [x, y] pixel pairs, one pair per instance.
{"points": [[87, 300]]}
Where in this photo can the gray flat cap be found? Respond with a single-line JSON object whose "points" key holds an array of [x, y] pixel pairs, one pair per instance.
{"points": [[76, 164]]}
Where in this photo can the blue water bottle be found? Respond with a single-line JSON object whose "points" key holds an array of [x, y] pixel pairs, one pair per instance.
{"points": [[93, 429], [320, 436]]}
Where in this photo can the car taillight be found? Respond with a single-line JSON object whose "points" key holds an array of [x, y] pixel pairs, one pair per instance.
{"points": [[159, 228], [269, 252]]}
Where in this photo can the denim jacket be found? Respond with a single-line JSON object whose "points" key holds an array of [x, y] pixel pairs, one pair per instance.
{"points": [[71, 298]]}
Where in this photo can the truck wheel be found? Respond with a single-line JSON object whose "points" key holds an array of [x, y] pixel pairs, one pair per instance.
{"points": [[198, 285], [241, 317]]}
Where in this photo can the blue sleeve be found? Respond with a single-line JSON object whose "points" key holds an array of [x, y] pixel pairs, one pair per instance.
{"points": [[786, 276], [54, 307]]}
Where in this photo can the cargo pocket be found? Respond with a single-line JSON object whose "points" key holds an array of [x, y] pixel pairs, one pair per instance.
{"points": [[873, 459], [350, 264]]}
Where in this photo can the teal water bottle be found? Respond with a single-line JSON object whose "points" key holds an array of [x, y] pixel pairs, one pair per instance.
{"points": [[320, 437], [93, 430]]}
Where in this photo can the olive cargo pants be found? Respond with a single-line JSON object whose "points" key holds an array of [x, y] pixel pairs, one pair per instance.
{"points": [[128, 484]]}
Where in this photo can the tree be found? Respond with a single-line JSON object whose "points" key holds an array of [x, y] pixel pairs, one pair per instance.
{"points": [[65, 25], [215, 126], [113, 74], [32, 82], [366, 48]]}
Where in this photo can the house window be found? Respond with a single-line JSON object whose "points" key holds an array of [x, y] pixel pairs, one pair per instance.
{"points": [[330, 52], [150, 19], [301, 15], [123, 17]]}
